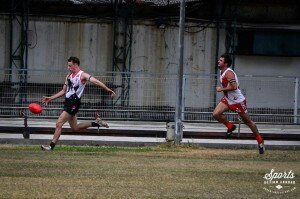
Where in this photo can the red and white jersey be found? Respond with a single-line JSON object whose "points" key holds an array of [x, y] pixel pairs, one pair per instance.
{"points": [[235, 96], [74, 85]]}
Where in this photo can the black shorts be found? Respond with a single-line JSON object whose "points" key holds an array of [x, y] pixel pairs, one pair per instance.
{"points": [[72, 104]]}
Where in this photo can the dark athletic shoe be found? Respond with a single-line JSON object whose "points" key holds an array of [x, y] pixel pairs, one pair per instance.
{"points": [[261, 148]]}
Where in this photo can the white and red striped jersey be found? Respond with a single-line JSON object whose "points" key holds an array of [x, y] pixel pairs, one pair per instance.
{"points": [[235, 96]]}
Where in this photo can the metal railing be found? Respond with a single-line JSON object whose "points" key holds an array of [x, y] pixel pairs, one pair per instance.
{"points": [[151, 97]]}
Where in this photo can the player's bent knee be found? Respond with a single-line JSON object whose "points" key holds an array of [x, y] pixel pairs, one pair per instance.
{"points": [[59, 125]]}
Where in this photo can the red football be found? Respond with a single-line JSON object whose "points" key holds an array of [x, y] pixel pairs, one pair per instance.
{"points": [[35, 108]]}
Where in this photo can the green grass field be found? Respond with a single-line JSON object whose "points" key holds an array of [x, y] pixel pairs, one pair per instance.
{"points": [[156, 172]]}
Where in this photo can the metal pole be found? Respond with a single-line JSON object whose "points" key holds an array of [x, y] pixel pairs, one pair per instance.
{"points": [[179, 100], [183, 96], [219, 5], [296, 100]]}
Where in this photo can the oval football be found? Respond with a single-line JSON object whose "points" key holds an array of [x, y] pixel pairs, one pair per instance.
{"points": [[35, 108]]}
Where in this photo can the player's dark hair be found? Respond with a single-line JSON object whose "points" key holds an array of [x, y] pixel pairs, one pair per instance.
{"points": [[227, 59], [75, 60]]}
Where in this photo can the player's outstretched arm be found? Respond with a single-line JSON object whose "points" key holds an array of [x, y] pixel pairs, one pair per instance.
{"points": [[97, 82], [47, 99]]}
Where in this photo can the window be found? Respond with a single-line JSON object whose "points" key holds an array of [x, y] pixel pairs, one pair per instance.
{"points": [[268, 42]]}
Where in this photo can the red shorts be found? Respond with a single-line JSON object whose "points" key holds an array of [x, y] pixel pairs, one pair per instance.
{"points": [[239, 107]]}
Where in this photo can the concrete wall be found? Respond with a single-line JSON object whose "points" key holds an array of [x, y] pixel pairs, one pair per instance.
{"points": [[262, 65], [55, 41], [154, 50], [278, 91]]}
